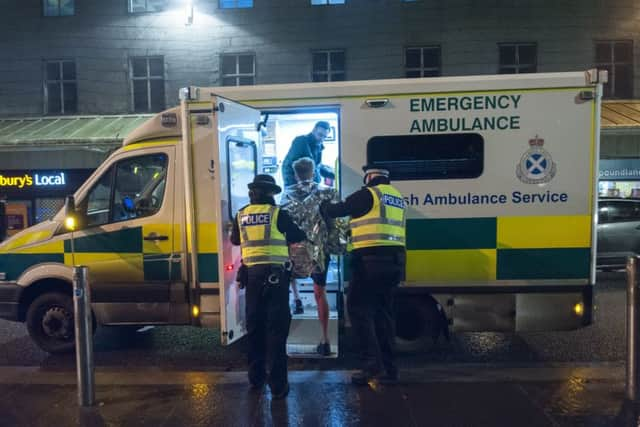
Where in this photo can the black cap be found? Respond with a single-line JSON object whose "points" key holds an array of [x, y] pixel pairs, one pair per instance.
{"points": [[265, 182], [375, 169]]}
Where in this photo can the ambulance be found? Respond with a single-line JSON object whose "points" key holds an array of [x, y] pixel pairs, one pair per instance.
{"points": [[498, 175]]}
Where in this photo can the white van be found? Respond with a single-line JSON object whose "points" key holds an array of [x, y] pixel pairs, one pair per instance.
{"points": [[498, 173]]}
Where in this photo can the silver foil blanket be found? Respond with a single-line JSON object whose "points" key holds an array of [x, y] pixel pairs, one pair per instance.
{"points": [[302, 201]]}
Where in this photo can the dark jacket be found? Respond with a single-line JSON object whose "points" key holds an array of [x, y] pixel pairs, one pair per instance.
{"points": [[302, 146]]}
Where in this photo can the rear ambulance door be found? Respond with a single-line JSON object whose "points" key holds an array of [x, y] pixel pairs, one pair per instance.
{"points": [[238, 143]]}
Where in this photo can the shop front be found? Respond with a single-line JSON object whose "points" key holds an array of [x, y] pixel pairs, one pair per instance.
{"points": [[33, 196], [619, 178]]}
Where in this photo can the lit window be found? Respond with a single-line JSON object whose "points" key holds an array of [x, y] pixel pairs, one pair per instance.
{"points": [[323, 2], [235, 4], [617, 58], [144, 6], [58, 7], [60, 87], [147, 83], [328, 66], [516, 58], [238, 69], [422, 61]]}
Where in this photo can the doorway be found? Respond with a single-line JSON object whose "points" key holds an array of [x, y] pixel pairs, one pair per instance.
{"points": [[281, 128]]}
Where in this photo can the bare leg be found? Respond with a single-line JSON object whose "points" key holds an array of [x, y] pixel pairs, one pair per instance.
{"points": [[323, 309], [294, 288]]}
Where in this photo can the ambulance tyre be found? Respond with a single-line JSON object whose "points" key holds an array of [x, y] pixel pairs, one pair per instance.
{"points": [[418, 322], [50, 322]]}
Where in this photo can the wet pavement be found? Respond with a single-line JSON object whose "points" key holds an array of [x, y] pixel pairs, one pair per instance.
{"points": [[175, 347], [447, 395]]}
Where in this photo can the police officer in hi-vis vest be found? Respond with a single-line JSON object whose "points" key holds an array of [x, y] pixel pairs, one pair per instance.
{"points": [[377, 260], [264, 231]]}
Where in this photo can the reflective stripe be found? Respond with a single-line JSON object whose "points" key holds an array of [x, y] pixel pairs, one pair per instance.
{"points": [[388, 221], [245, 235], [267, 230], [272, 242], [265, 259], [383, 208], [378, 236]]}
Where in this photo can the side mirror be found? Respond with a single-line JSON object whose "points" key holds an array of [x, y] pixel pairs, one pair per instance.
{"points": [[70, 214]]}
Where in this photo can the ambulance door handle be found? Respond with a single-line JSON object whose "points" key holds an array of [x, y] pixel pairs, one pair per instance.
{"points": [[155, 237]]}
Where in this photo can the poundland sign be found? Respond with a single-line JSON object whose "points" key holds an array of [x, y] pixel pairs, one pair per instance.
{"points": [[48, 179], [620, 169]]}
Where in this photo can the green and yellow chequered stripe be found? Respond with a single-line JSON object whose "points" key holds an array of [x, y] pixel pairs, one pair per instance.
{"points": [[505, 248], [135, 258]]}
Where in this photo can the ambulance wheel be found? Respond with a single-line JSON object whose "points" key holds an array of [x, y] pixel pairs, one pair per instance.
{"points": [[418, 323], [50, 322]]}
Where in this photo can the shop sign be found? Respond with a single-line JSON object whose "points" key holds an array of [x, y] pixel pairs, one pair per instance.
{"points": [[619, 169], [28, 180]]}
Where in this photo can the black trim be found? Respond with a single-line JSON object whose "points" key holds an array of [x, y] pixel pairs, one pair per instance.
{"points": [[9, 301], [207, 291], [144, 292], [201, 111], [488, 289]]}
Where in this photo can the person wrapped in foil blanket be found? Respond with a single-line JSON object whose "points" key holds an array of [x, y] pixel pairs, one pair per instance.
{"points": [[302, 201]]}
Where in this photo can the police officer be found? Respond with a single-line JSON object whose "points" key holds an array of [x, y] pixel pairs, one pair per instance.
{"points": [[263, 232], [378, 259]]}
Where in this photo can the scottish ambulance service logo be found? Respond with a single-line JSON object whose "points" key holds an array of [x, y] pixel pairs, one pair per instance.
{"points": [[536, 165]]}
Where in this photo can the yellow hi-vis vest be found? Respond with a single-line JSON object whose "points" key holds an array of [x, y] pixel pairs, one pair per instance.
{"points": [[260, 240], [384, 224]]}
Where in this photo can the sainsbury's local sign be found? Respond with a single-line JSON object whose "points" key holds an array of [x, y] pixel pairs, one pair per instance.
{"points": [[35, 179]]}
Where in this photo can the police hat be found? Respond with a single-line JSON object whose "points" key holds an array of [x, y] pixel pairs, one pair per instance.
{"points": [[375, 170], [265, 182]]}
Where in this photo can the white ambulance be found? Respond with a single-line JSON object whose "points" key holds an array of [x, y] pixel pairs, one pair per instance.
{"points": [[498, 174]]}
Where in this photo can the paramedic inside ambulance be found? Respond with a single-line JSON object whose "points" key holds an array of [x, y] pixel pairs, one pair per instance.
{"points": [[309, 145]]}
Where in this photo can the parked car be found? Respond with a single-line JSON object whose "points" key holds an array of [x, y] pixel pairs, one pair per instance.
{"points": [[618, 231]]}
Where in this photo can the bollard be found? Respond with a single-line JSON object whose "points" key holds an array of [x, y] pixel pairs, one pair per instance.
{"points": [[633, 295], [84, 336]]}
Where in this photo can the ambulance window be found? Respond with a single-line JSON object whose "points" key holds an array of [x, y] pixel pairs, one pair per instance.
{"points": [[242, 155], [419, 157], [98, 200], [135, 180]]}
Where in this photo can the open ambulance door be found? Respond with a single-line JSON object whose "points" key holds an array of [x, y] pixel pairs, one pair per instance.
{"points": [[236, 166]]}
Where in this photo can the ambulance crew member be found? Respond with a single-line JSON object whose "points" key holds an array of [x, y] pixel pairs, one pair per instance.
{"points": [[263, 232], [378, 261], [305, 146]]}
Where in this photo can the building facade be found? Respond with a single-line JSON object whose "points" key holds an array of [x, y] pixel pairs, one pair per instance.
{"points": [[132, 56], [63, 60]]}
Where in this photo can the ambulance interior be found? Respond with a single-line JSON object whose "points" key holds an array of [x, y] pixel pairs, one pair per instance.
{"points": [[278, 134]]}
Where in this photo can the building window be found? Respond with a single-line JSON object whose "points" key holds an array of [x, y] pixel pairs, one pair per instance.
{"points": [[516, 58], [422, 61], [147, 83], [323, 2], [328, 66], [58, 7], [434, 156], [144, 6], [60, 87], [235, 4], [617, 58], [238, 69]]}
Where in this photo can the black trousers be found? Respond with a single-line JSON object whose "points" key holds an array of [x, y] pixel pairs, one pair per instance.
{"points": [[268, 320], [370, 306]]}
